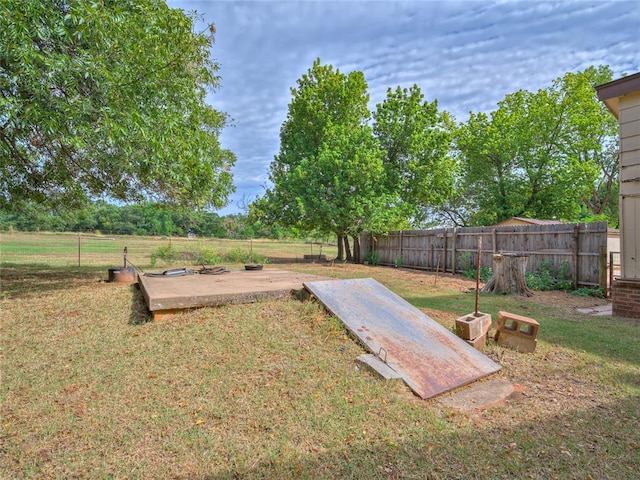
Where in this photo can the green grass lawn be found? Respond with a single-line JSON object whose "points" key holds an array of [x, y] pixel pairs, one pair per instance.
{"points": [[91, 388]]}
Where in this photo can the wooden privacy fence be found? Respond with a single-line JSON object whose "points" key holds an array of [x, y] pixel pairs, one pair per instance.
{"points": [[576, 250]]}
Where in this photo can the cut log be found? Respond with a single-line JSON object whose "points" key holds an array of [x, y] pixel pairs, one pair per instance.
{"points": [[508, 275]]}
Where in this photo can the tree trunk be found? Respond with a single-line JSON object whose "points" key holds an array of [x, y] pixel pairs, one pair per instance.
{"points": [[356, 249], [508, 275], [347, 250], [340, 256]]}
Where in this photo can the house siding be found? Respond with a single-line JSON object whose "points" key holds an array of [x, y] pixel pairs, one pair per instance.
{"points": [[629, 119]]}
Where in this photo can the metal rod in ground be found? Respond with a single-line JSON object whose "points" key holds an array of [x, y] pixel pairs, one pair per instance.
{"points": [[435, 281], [478, 272]]}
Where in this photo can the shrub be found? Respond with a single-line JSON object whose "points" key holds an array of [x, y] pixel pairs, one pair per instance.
{"points": [[469, 271], [373, 258], [588, 292], [240, 255], [167, 253], [209, 257], [543, 279]]}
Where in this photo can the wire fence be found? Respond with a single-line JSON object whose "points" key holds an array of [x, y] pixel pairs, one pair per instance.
{"points": [[85, 250]]}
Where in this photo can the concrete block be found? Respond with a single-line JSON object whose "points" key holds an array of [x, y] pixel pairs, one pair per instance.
{"points": [[478, 343], [516, 325], [521, 344], [473, 325]]}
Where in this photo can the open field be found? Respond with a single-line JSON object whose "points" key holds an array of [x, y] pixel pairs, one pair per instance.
{"points": [[92, 389], [71, 249]]}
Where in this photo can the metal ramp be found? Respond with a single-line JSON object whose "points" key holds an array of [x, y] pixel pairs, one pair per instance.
{"points": [[430, 359]]}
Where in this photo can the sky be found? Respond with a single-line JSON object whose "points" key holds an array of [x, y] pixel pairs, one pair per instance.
{"points": [[466, 54]]}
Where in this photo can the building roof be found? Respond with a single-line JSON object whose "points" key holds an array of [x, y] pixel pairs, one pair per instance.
{"points": [[531, 221], [610, 92]]}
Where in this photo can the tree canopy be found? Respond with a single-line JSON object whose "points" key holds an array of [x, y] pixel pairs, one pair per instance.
{"points": [[340, 172], [548, 154], [329, 172], [416, 139], [107, 99]]}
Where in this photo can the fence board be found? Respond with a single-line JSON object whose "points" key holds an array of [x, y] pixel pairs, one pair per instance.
{"points": [[573, 250]]}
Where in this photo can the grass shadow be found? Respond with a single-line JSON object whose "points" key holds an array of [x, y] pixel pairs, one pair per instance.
{"points": [[140, 313], [577, 440], [18, 281]]}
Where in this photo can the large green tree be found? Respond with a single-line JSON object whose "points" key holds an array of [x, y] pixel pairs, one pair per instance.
{"points": [[107, 98], [329, 173], [416, 139], [542, 155]]}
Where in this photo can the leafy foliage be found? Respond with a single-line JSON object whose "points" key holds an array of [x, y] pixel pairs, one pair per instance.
{"points": [[108, 99], [336, 174], [416, 139], [143, 219], [588, 292], [373, 258], [548, 154], [203, 256], [329, 173], [544, 279], [469, 271]]}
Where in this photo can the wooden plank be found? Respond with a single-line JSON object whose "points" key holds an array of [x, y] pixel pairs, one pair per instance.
{"points": [[430, 358]]}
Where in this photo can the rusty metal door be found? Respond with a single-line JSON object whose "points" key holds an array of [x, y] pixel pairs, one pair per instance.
{"points": [[430, 358]]}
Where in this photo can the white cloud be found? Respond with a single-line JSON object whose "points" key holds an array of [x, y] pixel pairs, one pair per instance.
{"points": [[468, 55]]}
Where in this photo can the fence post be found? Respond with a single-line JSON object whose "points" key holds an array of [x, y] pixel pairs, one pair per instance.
{"points": [[602, 268], [432, 260], [576, 246], [78, 249], [444, 251], [453, 251]]}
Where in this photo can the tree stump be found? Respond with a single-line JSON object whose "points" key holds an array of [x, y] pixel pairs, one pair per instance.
{"points": [[508, 275]]}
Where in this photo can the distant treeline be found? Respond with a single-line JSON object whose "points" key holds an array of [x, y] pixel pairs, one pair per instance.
{"points": [[144, 219]]}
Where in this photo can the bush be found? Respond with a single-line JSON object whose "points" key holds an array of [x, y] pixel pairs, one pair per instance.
{"points": [[469, 271], [240, 255], [588, 292], [373, 258], [543, 279], [167, 253], [209, 257]]}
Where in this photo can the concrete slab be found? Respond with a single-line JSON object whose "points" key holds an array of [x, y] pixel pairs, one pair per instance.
{"points": [[376, 365], [598, 310], [166, 296], [430, 358], [479, 395]]}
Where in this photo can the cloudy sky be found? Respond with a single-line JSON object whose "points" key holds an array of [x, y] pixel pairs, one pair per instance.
{"points": [[466, 54]]}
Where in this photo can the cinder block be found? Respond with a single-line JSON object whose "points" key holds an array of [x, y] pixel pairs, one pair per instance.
{"points": [[478, 343], [473, 325], [521, 344], [517, 325]]}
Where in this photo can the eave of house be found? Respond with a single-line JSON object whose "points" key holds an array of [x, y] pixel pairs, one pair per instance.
{"points": [[610, 93]]}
